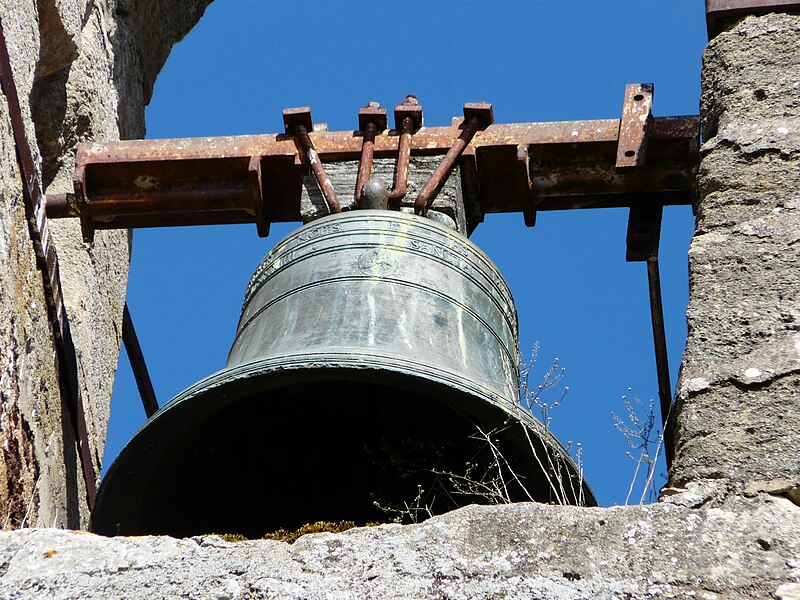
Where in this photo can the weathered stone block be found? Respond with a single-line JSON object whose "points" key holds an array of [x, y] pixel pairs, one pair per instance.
{"points": [[738, 403], [694, 546]]}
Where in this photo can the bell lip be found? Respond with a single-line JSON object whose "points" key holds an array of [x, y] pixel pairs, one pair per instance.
{"points": [[233, 384]]}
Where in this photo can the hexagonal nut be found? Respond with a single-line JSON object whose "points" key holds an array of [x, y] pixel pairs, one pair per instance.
{"points": [[297, 116], [373, 113], [481, 111]]}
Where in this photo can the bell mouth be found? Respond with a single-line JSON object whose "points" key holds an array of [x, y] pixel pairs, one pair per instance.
{"points": [[278, 443]]}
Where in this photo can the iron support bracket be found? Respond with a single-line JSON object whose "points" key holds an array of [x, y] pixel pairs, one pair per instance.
{"points": [[138, 364]]}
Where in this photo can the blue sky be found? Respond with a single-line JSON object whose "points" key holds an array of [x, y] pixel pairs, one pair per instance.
{"points": [[533, 60]]}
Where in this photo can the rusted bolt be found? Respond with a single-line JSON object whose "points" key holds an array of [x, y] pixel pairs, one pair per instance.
{"points": [[477, 116], [297, 121], [371, 120], [407, 119]]}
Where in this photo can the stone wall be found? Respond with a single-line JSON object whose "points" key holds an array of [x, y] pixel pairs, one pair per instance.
{"points": [[738, 404], [698, 544], [84, 69]]}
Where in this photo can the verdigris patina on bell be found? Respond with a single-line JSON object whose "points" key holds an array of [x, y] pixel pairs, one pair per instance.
{"points": [[375, 359]]}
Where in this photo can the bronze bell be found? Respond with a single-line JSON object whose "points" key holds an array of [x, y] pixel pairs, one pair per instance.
{"points": [[375, 358]]}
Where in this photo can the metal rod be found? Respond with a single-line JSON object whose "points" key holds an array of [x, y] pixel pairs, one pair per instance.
{"points": [[662, 360], [365, 165], [371, 120], [408, 119], [138, 364], [445, 167], [403, 161], [316, 167]]}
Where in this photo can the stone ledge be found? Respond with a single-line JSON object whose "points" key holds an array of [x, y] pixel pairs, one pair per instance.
{"points": [[728, 547]]}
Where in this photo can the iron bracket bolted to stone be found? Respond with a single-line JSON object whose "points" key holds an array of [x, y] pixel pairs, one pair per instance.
{"points": [[297, 122], [477, 116], [64, 355]]}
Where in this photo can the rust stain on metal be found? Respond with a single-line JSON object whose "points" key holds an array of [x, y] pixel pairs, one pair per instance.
{"points": [[226, 180], [145, 182], [634, 126]]}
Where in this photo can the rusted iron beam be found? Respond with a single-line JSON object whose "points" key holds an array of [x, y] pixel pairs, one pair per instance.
{"points": [[717, 11], [151, 183], [344, 145]]}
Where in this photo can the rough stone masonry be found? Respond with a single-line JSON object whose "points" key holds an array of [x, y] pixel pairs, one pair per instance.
{"points": [[727, 527]]}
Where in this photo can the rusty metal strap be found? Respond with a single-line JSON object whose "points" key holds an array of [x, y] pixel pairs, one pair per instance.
{"points": [[716, 10], [47, 262]]}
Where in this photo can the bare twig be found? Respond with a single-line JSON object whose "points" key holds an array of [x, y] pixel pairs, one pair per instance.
{"points": [[641, 432]]}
